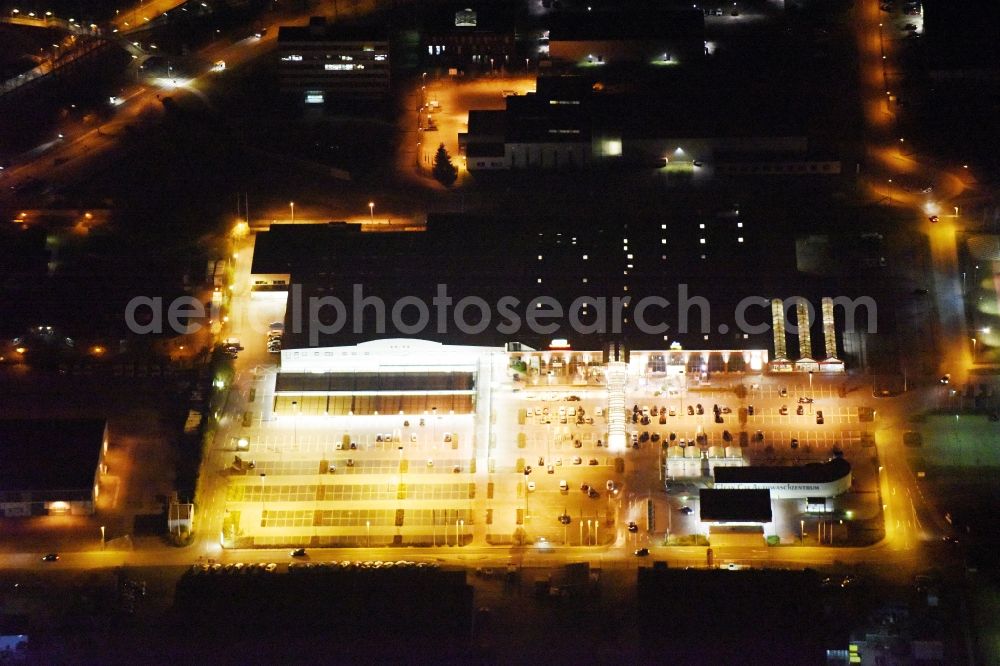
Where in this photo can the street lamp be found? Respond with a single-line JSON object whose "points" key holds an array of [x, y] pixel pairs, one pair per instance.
{"points": [[889, 191], [461, 524], [802, 526], [262, 477], [810, 390], [527, 509], [400, 469], [368, 528], [102, 537], [371, 210], [291, 205]]}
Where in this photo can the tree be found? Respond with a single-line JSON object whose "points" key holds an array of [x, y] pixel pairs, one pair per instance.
{"points": [[444, 171]]}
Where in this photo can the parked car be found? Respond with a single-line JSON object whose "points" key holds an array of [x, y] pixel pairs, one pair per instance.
{"points": [[641, 552]]}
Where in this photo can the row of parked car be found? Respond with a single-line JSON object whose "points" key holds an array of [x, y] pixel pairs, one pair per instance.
{"points": [[358, 564], [234, 568]]}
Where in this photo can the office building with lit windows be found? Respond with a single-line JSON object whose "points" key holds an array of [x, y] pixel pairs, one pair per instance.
{"points": [[323, 63], [479, 37]]}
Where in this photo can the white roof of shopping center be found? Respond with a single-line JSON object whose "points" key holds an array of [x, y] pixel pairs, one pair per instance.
{"points": [[396, 354]]}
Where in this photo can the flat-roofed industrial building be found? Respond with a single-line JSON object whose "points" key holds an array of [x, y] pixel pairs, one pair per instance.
{"points": [[51, 467]]}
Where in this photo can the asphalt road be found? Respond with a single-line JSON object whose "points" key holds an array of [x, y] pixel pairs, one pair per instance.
{"points": [[897, 177]]}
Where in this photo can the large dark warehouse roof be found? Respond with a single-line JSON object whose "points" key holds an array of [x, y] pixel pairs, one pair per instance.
{"points": [[49, 455]]}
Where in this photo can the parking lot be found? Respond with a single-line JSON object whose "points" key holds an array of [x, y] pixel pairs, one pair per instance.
{"points": [[539, 472]]}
